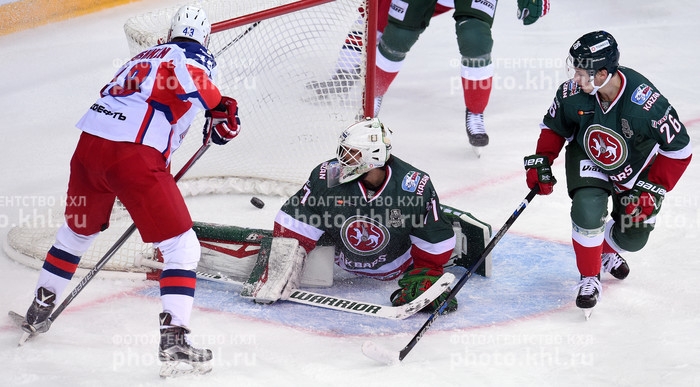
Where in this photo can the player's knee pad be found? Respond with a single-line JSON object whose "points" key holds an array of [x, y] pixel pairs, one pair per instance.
{"points": [[589, 208], [475, 42], [72, 242], [627, 237], [180, 252], [397, 41]]}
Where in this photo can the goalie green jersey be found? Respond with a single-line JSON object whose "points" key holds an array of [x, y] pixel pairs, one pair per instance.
{"points": [[621, 137], [378, 233]]}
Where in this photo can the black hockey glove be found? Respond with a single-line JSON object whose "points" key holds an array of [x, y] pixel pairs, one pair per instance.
{"points": [[539, 172], [644, 201], [531, 10]]}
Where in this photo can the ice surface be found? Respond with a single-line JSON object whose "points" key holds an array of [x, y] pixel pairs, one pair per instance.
{"points": [[518, 328]]}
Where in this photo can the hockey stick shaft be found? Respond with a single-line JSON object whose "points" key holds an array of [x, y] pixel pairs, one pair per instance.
{"points": [[237, 38], [118, 244], [465, 277]]}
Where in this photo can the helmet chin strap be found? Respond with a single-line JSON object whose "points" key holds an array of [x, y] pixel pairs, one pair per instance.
{"points": [[596, 88]]}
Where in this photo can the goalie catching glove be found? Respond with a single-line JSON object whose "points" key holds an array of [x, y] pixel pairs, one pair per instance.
{"points": [[222, 123], [644, 201], [414, 283]]}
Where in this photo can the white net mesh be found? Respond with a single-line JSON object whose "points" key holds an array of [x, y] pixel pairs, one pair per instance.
{"points": [[281, 71], [293, 104]]}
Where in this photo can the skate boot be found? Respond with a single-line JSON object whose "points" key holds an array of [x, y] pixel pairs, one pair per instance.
{"points": [[589, 290], [475, 129], [37, 317], [176, 353], [614, 264]]}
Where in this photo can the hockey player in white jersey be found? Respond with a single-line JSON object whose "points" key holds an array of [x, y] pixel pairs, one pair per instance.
{"points": [[128, 136]]}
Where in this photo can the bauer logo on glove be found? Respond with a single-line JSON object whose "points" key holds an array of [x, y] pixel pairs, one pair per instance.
{"points": [[222, 123], [644, 201], [539, 173]]}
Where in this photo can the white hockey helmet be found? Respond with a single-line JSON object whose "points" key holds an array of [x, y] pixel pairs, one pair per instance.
{"points": [[192, 23], [363, 146]]}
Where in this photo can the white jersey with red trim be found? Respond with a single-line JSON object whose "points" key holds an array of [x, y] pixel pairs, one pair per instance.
{"points": [[155, 96]]}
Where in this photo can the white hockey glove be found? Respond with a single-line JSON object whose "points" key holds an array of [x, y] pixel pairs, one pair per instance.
{"points": [[222, 123]]}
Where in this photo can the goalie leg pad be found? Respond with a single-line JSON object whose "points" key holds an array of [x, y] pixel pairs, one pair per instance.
{"points": [[277, 271], [318, 267]]}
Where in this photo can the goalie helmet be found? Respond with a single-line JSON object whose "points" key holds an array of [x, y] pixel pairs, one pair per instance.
{"points": [[362, 147], [595, 51], [191, 23]]}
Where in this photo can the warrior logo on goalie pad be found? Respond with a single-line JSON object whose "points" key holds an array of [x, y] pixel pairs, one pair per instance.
{"points": [[363, 235]]}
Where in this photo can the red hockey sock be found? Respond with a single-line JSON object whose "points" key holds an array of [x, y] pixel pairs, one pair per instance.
{"points": [[476, 94], [440, 9], [588, 259], [607, 248], [383, 81]]}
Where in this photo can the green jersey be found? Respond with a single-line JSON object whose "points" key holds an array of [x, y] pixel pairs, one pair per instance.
{"points": [[377, 233], [621, 137]]}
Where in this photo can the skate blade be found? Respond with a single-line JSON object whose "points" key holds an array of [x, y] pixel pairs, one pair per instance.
{"points": [[477, 151], [25, 336], [587, 313], [19, 320], [173, 369]]}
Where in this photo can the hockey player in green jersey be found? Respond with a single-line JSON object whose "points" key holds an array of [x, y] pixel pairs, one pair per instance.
{"points": [[382, 215], [625, 141]]}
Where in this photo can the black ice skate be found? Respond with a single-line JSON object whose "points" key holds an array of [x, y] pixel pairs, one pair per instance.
{"points": [[176, 353], [614, 264], [589, 290], [476, 130], [37, 318]]}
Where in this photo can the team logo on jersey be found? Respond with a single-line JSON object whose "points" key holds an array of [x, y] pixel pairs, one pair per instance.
{"points": [[605, 147], [395, 218], [410, 181], [641, 94], [363, 235], [570, 88]]}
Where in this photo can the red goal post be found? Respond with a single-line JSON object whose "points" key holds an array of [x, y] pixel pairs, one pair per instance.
{"points": [[281, 60], [269, 55]]}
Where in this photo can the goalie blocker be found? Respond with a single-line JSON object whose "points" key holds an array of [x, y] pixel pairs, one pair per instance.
{"points": [[242, 254]]}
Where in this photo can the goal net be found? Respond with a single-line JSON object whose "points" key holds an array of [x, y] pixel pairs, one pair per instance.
{"points": [[298, 70]]}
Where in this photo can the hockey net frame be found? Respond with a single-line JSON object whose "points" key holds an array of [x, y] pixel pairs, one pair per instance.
{"points": [[310, 139]]}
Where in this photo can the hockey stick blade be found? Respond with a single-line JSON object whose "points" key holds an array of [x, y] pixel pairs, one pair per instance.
{"points": [[342, 304], [368, 309], [380, 354], [385, 356]]}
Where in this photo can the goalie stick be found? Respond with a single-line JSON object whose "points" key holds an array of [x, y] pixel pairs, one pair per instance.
{"points": [[306, 297], [389, 357], [107, 256]]}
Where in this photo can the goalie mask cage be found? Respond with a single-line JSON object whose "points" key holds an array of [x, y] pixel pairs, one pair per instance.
{"points": [[298, 70]]}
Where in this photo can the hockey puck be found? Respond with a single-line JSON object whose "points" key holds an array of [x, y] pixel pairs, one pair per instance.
{"points": [[257, 202]]}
